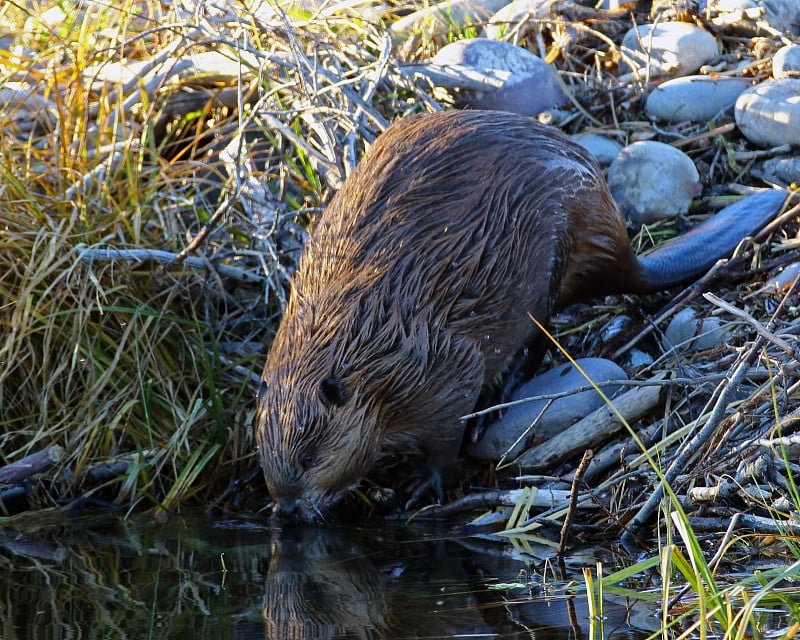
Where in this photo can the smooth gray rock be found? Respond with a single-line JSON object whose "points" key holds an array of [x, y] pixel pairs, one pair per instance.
{"points": [[529, 85], [653, 181], [784, 169], [786, 62], [749, 16], [614, 327], [694, 98], [562, 413], [509, 17], [687, 332], [636, 359], [672, 48], [601, 147], [769, 113], [781, 282]]}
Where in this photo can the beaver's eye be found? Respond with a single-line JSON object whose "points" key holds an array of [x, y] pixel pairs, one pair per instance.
{"points": [[332, 392], [307, 461]]}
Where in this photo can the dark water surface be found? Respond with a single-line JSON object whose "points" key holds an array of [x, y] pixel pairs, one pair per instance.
{"points": [[139, 579]]}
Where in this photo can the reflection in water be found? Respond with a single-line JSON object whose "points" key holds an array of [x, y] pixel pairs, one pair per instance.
{"points": [[142, 580], [321, 586], [314, 588]]}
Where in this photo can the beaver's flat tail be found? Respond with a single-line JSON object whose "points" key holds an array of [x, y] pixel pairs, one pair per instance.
{"points": [[690, 255]]}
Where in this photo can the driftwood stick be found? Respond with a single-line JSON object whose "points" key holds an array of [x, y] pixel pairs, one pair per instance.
{"points": [[613, 453], [573, 500], [542, 499], [759, 328], [678, 465], [144, 255], [222, 210], [24, 468], [460, 76], [758, 524]]}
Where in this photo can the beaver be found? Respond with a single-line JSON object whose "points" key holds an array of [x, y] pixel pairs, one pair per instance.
{"points": [[413, 293]]}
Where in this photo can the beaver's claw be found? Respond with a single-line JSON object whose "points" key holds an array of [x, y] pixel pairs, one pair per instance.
{"points": [[431, 482]]}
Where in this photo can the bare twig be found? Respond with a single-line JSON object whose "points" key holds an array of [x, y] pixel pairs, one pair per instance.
{"points": [[573, 499], [90, 254]]}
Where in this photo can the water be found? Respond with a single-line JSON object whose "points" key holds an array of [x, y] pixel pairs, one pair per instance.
{"points": [[194, 578]]}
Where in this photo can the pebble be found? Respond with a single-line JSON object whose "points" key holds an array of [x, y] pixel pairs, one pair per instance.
{"points": [[120, 72], [674, 48], [603, 148], [510, 16], [637, 359], [769, 113], [49, 19], [694, 98], [614, 327], [785, 279], [653, 181], [749, 16], [786, 170], [786, 62], [530, 85], [687, 332], [563, 412]]}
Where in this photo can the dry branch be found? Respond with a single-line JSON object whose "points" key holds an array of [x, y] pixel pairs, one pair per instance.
{"points": [[31, 465]]}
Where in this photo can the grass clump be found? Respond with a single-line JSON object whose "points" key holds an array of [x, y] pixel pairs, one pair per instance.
{"points": [[104, 360]]}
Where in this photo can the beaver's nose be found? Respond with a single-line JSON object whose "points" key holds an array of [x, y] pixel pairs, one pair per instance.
{"points": [[284, 510]]}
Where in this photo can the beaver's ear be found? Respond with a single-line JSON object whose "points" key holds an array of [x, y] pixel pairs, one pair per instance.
{"points": [[332, 392]]}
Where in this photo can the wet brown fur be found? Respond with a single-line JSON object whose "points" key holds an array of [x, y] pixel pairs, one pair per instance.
{"points": [[413, 293]]}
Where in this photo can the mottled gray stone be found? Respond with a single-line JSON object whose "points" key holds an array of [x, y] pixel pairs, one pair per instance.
{"points": [[507, 18], [529, 85], [673, 48], [653, 181], [769, 113], [786, 62], [563, 412], [601, 147], [687, 332], [750, 16], [694, 98]]}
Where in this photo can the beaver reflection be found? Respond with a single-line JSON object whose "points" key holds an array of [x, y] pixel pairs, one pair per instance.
{"points": [[321, 586], [311, 591]]}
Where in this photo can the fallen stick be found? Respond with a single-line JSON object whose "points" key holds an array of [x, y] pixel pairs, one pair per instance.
{"points": [[724, 396], [89, 255], [24, 468]]}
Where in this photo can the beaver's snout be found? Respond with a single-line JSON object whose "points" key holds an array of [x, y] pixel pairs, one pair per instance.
{"points": [[285, 510]]}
